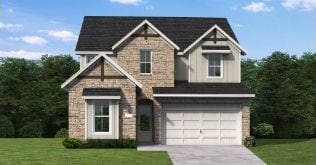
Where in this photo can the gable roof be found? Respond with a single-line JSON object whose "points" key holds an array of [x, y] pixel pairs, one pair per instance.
{"points": [[138, 27], [100, 33], [111, 62], [208, 32]]}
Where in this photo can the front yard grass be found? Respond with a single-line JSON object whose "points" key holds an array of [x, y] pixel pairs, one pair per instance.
{"points": [[51, 151], [286, 151]]}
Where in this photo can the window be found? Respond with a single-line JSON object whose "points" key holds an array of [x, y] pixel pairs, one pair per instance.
{"points": [[101, 116], [145, 61], [215, 65], [89, 58]]}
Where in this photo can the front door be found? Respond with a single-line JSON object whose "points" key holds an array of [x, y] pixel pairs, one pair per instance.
{"points": [[145, 124]]}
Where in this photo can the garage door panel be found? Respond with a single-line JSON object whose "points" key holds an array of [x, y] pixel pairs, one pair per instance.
{"points": [[174, 123], [228, 124], [214, 115], [174, 133], [210, 133], [214, 140], [228, 115], [191, 133], [191, 115], [190, 123], [228, 133], [210, 124], [174, 115]]}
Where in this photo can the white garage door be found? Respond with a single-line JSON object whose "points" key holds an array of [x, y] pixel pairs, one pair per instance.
{"points": [[212, 125]]}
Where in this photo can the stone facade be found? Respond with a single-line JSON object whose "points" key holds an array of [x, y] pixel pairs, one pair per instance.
{"points": [[245, 120], [127, 103]]}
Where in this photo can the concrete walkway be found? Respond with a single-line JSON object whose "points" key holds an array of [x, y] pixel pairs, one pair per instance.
{"points": [[207, 155]]}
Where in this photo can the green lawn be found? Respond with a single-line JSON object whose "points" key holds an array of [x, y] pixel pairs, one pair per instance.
{"points": [[286, 151], [51, 151]]}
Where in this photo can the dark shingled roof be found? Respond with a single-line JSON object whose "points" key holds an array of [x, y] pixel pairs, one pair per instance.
{"points": [[183, 87], [100, 33], [101, 92]]}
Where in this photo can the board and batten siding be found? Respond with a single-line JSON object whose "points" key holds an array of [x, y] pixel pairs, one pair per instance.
{"points": [[198, 64]]}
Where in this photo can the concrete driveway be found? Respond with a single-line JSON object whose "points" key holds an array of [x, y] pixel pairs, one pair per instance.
{"points": [[207, 155]]}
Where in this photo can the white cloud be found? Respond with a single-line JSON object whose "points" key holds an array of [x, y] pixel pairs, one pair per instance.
{"points": [[63, 35], [150, 7], [22, 54], [10, 10], [303, 4], [33, 40], [256, 7], [127, 2], [9, 26]]}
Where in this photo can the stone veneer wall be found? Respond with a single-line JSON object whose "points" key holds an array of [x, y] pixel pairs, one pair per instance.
{"points": [[127, 103], [245, 120], [128, 57]]}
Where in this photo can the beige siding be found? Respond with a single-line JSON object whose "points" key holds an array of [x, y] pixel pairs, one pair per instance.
{"points": [[198, 64]]}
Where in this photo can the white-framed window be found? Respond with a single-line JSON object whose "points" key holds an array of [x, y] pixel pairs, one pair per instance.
{"points": [[215, 66], [145, 62], [89, 58], [102, 116]]}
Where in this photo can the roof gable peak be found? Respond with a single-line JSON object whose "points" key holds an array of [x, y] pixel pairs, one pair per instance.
{"points": [[152, 27]]}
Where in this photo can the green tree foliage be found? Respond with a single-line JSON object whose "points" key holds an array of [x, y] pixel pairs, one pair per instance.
{"points": [[284, 93], [6, 127], [32, 130], [30, 90]]}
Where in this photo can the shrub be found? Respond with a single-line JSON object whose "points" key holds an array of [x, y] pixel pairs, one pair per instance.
{"points": [[6, 127], [250, 141], [72, 143], [109, 143], [263, 130], [32, 129], [62, 133]]}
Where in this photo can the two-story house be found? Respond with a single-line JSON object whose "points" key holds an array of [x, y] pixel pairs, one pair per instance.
{"points": [[160, 80]]}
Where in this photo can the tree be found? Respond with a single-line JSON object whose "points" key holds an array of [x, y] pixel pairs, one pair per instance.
{"points": [[30, 90], [284, 96], [6, 127]]}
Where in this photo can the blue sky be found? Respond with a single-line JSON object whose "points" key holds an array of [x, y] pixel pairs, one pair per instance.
{"points": [[29, 28]]}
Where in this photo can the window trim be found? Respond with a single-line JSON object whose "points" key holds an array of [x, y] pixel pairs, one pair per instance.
{"points": [[221, 66], [151, 62], [110, 118]]}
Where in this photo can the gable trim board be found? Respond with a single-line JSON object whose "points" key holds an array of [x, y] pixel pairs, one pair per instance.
{"points": [[151, 26], [243, 51], [206, 95], [217, 51], [111, 62]]}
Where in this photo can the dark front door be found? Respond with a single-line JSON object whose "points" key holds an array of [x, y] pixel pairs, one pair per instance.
{"points": [[145, 134]]}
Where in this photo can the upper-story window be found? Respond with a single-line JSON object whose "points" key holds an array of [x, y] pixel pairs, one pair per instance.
{"points": [[89, 58], [145, 61], [215, 66]]}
